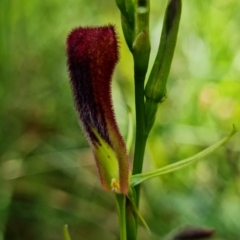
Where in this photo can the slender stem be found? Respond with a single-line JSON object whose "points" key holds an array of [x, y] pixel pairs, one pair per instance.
{"points": [[131, 221], [140, 131], [137, 37], [141, 51], [121, 207]]}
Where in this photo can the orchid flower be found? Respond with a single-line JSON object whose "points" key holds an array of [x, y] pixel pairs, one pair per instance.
{"points": [[92, 55]]}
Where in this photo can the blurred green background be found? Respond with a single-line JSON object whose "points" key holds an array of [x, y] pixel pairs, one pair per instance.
{"points": [[47, 172]]}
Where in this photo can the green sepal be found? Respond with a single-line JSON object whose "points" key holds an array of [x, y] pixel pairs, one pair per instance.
{"points": [[106, 161], [139, 178], [156, 85], [126, 8], [127, 31], [66, 233]]}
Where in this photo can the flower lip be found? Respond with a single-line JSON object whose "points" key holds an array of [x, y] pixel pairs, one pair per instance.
{"points": [[91, 67], [92, 55]]}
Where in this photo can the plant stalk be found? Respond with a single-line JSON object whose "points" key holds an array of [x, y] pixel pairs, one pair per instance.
{"points": [[141, 52], [121, 207], [140, 139]]}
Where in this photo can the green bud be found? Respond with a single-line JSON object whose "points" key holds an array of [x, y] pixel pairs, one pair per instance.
{"points": [[141, 16], [156, 85], [141, 45], [141, 51]]}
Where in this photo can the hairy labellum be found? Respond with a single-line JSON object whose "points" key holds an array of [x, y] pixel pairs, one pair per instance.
{"points": [[92, 55]]}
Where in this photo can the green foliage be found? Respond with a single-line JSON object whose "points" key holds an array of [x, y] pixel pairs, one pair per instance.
{"points": [[47, 177]]}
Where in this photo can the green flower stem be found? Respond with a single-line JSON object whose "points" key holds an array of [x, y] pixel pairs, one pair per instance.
{"points": [[121, 207], [141, 52], [135, 24], [140, 132], [140, 143], [131, 221]]}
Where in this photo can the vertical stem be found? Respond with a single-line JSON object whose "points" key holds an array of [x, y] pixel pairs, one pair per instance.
{"points": [[140, 131], [137, 38], [131, 223], [121, 207], [141, 51]]}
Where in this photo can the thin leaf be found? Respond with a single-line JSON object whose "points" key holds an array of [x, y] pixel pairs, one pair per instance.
{"points": [[139, 178], [156, 85], [135, 209]]}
